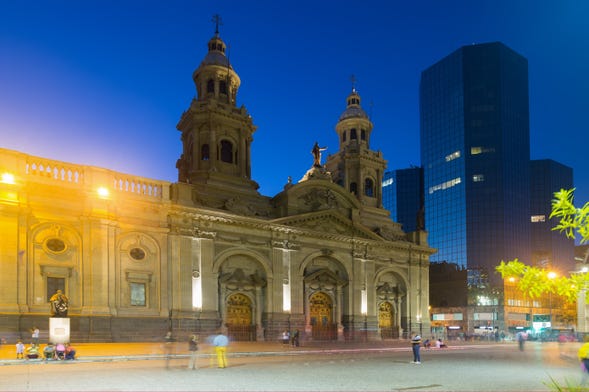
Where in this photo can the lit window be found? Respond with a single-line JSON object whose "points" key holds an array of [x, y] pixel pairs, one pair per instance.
{"points": [[478, 177], [454, 155], [475, 150], [538, 218], [445, 185], [387, 182]]}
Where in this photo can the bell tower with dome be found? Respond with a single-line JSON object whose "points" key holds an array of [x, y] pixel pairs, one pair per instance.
{"points": [[355, 167], [216, 134]]}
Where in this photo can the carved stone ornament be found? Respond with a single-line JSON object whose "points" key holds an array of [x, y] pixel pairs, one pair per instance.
{"points": [[387, 292], [237, 280], [319, 199], [389, 234], [325, 280]]}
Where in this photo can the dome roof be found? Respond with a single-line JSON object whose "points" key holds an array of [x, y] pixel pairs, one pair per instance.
{"points": [[216, 54], [353, 110]]}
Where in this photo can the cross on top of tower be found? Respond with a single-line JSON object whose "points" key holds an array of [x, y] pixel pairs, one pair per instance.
{"points": [[353, 80], [217, 21]]}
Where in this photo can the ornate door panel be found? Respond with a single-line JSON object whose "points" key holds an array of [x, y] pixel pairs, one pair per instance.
{"points": [[321, 317], [238, 318], [386, 321]]}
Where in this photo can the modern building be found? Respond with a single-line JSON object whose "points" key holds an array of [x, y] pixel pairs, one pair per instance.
{"points": [[550, 249], [403, 196], [475, 153], [138, 257]]}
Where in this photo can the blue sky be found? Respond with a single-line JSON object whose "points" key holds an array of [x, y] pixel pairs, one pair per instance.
{"points": [[105, 82]]}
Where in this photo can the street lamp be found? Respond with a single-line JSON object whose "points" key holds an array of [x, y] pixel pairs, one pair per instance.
{"points": [[551, 276]]}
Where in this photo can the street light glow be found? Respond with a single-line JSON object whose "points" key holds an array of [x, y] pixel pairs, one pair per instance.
{"points": [[7, 178]]}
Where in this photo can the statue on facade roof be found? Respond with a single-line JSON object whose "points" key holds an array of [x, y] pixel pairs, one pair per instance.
{"points": [[316, 151]]}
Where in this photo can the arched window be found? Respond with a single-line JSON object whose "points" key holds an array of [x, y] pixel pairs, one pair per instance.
{"points": [[204, 152], [369, 187], [354, 188], [344, 136], [353, 134], [226, 151], [210, 86], [223, 87], [363, 134]]}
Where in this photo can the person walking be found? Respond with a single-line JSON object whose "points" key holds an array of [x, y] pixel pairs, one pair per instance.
{"points": [[295, 338], [583, 356], [20, 350], [416, 345], [35, 335], [168, 340], [285, 337], [193, 348], [521, 339], [221, 342]]}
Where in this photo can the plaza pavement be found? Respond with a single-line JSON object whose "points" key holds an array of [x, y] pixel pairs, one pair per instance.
{"points": [[104, 352], [318, 366], [108, 352]]}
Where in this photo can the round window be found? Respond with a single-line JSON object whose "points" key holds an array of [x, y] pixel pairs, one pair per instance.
{"points": [[137, 253], [55, 245]]}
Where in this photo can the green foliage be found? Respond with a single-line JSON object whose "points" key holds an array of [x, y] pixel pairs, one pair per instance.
{"points": [[572, 219], [534, 282], [568, 387]]}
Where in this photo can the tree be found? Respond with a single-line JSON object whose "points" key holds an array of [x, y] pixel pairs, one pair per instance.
{"points": [[534, 281], [573, 220]]}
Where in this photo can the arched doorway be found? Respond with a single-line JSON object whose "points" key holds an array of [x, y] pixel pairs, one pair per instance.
{"points": [[321, 317], [386, 321], [238, 318]]}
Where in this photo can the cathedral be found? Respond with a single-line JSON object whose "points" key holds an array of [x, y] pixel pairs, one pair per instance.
{"points": [[138, 257]]}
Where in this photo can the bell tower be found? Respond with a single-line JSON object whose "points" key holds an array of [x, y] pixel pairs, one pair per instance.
{"points": [[216, 134], [356, 167]]}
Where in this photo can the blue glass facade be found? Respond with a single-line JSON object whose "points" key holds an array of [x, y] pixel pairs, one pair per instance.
{"points": [[550, 249], [403, 196], [475, 153]]}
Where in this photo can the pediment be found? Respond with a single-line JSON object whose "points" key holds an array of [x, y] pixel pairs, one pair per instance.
{"points": [[329, 222], [324, 279], [315, 195]]}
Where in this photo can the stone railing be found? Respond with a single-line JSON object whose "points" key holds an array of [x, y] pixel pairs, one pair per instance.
{"points": [[28, 168]]}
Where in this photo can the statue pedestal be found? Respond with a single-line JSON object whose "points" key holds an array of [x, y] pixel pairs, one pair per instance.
{"points": [[59, 330]]}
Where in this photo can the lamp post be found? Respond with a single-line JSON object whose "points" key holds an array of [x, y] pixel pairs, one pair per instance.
{"points": [[551, 276]]}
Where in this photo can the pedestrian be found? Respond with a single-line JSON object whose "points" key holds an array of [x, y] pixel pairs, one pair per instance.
{"points": [[20, 350], [583, 356], [521, 339], [32, 352], [285, 337], [35, 335], [60, 351], [168, 339], [70, 352], [49, 351], [416, 345], [221, 342], [193, 348], [295, 338]]}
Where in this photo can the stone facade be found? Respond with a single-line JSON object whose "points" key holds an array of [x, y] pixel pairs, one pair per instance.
{"points": [[138, 257]]}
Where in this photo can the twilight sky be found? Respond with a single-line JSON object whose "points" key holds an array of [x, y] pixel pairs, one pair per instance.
{"points": [[105, 82]]}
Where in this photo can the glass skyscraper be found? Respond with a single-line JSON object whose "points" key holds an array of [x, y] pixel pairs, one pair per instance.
{"points": [[475, 153], [550, 249], [402, 195]]}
